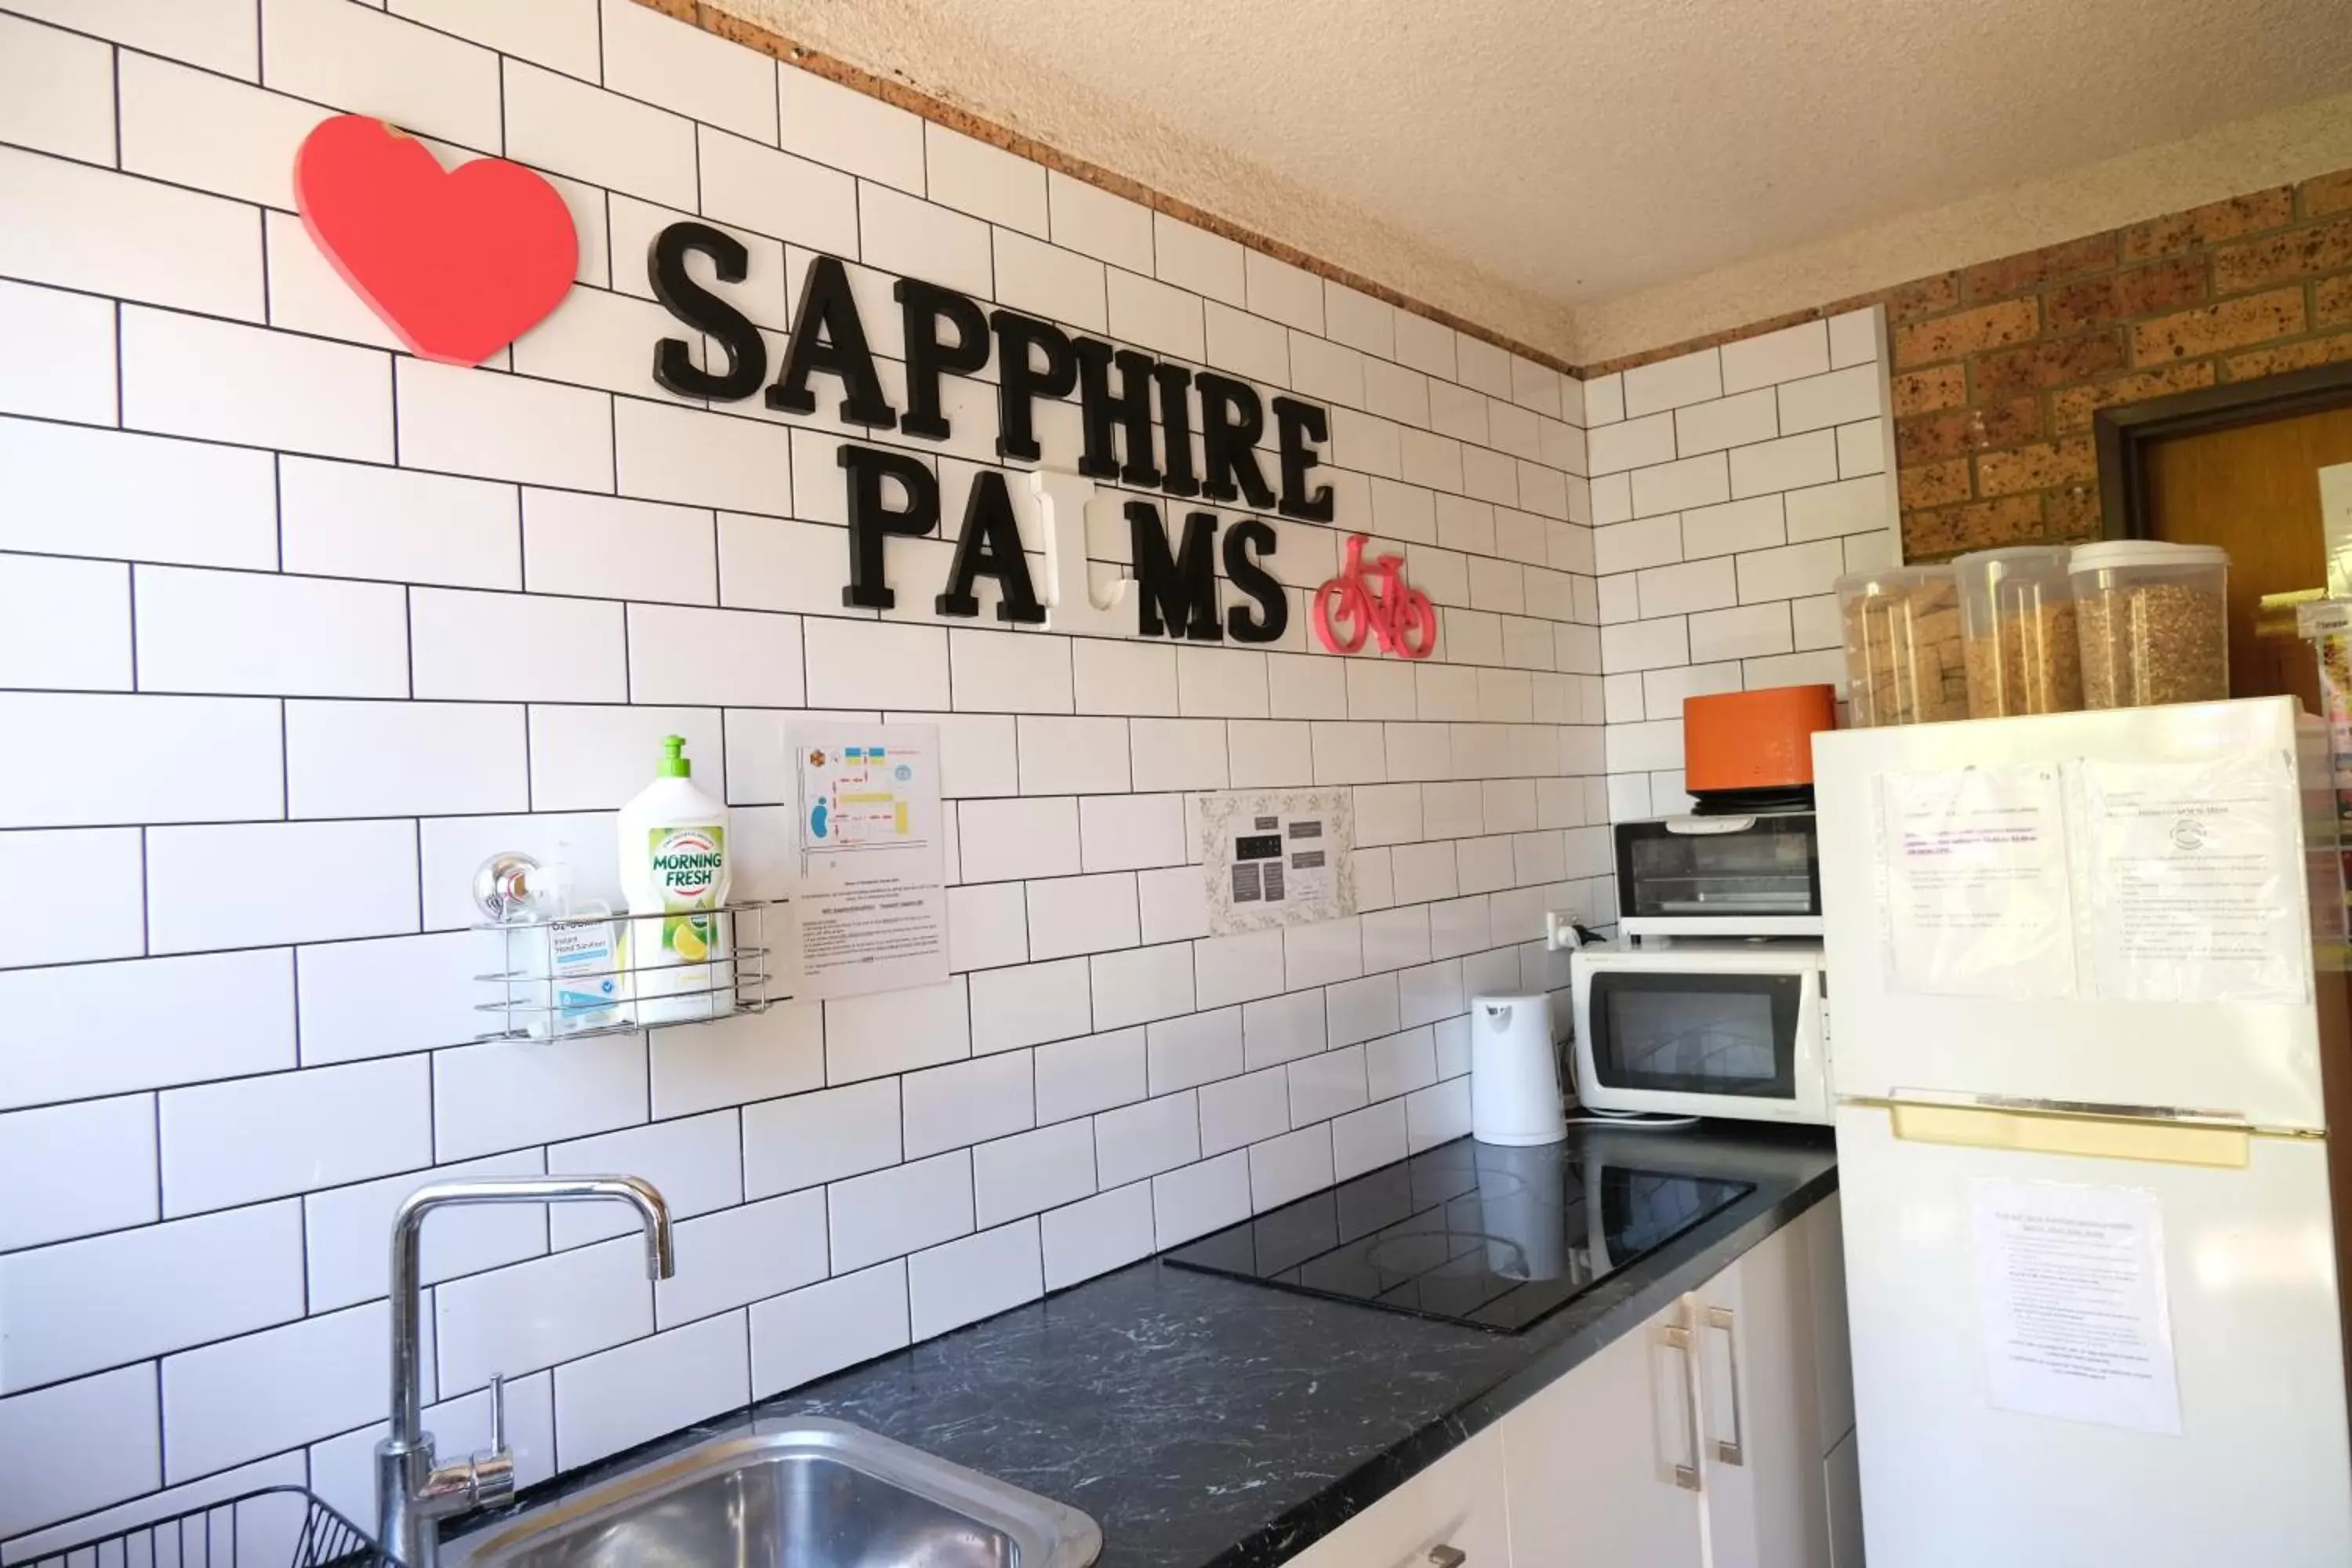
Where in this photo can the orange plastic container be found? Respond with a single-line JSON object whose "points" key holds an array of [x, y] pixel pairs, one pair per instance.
{"points": [[1735, 741]]}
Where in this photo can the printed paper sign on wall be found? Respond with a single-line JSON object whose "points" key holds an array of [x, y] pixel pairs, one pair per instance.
{"points": [[1277, 857], [872, 906]]}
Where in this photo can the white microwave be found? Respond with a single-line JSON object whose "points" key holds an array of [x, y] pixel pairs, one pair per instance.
{"points": [[1703, 1028]]}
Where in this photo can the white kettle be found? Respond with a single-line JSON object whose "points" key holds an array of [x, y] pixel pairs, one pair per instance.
{"points": [[1514, 1095]]}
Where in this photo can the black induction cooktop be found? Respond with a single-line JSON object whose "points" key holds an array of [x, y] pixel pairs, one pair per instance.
{"points": [[1471, 1233]]}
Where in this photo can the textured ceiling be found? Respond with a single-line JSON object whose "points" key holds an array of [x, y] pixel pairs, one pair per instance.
{"points": [[1522, 160]]}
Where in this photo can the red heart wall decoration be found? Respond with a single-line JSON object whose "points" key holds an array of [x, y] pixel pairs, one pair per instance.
{"points": [[458, 262]]}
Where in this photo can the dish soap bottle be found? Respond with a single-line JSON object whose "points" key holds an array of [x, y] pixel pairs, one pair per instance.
{"points": [[675, 866]]}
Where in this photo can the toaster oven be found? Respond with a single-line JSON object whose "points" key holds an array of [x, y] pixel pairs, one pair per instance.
{"points": [[1757, 875]]}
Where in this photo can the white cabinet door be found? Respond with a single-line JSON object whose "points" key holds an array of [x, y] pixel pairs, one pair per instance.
{"points": [[1759, 1349], [1834, 1340], [1604, 1463], [1451, 1515], [1841, 1473]]}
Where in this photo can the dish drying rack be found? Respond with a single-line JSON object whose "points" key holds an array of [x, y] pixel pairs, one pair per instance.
{"points": [[524, 1005], [277, 1527]]}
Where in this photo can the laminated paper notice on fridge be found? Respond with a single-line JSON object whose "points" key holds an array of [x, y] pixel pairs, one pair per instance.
{"points": [[1973, 866], [2197, 887], [872, 903], [1277, 857], [2070, 1285]]}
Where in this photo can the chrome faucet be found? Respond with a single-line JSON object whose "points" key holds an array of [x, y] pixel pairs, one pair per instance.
{"points": [[413, 1495]]}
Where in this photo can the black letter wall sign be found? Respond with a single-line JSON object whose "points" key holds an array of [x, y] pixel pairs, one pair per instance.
{"points": [[1230, 422], [1107, 415], [827, 336], [1176, 438], [746, 353], [1175, 596], [871, 520], [1137, 425], [1034, 361], [1252, 578], [924, 307], [1296, 424], [990, 546]]}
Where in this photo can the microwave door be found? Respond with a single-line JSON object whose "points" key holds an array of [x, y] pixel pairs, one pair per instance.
{"points": [[1667, 1032]]}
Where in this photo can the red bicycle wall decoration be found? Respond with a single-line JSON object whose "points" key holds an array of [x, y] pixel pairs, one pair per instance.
{"points": [[1353, 603]]}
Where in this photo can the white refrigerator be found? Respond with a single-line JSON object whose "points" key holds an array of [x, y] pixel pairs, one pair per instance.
{"points": [[2085, 1005]]}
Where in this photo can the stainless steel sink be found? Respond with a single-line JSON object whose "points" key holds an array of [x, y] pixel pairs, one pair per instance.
{"points": [[804, 1493]]}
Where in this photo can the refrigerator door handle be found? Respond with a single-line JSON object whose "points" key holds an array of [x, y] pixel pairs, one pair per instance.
{"points": [[1677, 1338], [2091, 1135], [1721, 1317]]}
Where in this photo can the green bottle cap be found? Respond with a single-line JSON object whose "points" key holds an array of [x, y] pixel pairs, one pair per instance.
{"points": [[674, 764]]}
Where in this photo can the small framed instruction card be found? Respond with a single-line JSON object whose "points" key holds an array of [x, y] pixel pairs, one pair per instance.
{"points": [[1277, 857]]}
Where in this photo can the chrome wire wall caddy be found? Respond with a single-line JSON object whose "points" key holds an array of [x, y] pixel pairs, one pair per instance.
{"points": [[573, 976]]}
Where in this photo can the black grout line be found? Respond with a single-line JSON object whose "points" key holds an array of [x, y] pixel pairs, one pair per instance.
{"points": [[162, 1426], [118, 363], [114, 78]]}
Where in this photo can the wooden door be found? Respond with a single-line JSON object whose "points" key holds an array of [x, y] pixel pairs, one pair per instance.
{"points": [[2253, 490]]}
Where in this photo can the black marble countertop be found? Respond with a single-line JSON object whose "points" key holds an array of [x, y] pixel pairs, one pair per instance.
{"points": [[1209, 1421]]}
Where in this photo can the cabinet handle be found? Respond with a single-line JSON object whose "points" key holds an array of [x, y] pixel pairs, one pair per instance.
{"points": [[1720, 1318], [1677, 1339], [1443, 1556]]}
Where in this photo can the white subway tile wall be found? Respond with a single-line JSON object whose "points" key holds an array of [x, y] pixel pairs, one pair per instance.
{"points": [[1731, 488], [273, 596]]}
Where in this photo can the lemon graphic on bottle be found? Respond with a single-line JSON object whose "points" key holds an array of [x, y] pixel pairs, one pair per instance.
{"points": [[675, 872]]}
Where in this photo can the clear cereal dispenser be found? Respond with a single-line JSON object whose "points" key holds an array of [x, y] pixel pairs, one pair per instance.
{"points": [[2154, 620], [2017, 620], [1902, 646]]}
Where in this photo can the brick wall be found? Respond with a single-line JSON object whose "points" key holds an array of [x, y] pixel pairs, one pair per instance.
{"points": [[1999, 367]]}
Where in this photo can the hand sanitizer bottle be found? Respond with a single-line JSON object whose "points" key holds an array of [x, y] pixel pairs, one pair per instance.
{"points": [[579, 953], [675, 869]]}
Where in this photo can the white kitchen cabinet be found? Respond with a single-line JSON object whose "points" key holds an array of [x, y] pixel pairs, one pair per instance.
{"points": [[1718, 1434], [1834, 1349], [1451, 1515], [1761, 1343], [1707, 1436], [1604, 1463], [1843, 1470], [1834, 1367]]}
